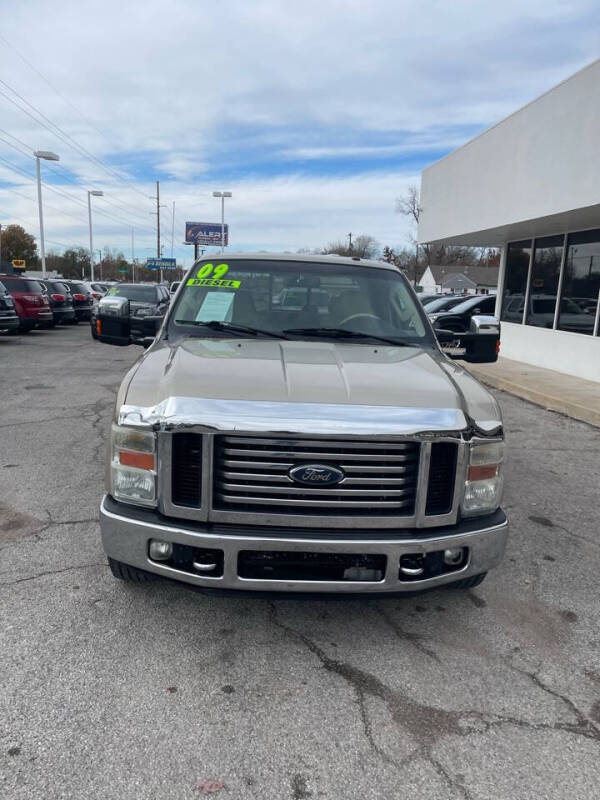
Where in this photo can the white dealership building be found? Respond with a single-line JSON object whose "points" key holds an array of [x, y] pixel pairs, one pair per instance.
{"points": [[531, 186]]}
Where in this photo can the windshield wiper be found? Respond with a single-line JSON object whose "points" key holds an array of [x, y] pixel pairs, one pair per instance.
{"points": [[340, 333], [218, 325]]}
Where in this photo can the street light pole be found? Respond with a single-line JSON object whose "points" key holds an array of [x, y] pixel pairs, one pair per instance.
{"points": [[95, 193], [222, 195], [47, 156]]}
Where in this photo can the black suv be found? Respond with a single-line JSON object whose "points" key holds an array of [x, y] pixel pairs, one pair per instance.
{"points": [[61, 301], [9, 319], [148, 303], [83, 301]]}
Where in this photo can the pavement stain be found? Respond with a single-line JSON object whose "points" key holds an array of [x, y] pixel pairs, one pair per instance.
{"points": [[15, 525], [426, 724], [299, 785]]}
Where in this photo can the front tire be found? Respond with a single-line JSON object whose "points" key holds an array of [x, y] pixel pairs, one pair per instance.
{"points": [[468, 583], [123, 572]]}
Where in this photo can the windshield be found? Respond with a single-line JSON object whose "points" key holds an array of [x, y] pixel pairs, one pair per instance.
{"points": [[141, 294], [444, 303], [297, 300]]}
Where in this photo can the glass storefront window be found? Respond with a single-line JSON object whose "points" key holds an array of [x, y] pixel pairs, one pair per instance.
{"points": [[515, 282], [545, 273], [581, 283]]}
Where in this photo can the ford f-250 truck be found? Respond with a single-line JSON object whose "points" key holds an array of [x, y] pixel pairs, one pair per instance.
{"points": [[330, 445]]}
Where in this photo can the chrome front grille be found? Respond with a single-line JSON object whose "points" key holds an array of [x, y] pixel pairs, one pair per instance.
{"points": [[250, 473]]}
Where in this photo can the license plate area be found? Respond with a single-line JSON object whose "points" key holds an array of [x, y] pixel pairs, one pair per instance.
{"points": [[292, 565]]}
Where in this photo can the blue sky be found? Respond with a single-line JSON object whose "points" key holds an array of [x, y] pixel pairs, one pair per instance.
{"points": [[316, 116]]}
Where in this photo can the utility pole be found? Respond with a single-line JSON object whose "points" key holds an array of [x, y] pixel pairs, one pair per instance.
{"points": [[350, 242], [157, 219], [158, 223], [0, 247], [132, 258], [173, 229]]}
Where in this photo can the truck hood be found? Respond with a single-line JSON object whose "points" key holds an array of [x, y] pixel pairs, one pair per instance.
{"points": [[217, 382]]}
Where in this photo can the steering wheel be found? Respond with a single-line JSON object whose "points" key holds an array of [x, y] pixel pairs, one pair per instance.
{"points": [[364, 315]]}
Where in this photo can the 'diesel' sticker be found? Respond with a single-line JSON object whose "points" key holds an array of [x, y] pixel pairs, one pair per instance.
{"points": [[211, 282]]}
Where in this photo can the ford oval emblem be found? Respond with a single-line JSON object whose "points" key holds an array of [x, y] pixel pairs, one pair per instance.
{"points": [[316, 475]]}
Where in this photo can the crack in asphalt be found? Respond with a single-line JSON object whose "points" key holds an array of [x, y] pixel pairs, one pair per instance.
{"points": [[53, 572], [416, 639], [428, 724]]}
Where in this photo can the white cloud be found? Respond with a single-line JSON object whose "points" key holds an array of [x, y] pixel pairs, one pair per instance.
{"points": [[193, 89]]}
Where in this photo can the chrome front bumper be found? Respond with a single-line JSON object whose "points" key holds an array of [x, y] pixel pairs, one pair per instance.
{"points": [[126, 537]]}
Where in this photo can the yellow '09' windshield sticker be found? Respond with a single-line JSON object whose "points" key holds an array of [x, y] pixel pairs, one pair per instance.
{"points": [[211, 275]]}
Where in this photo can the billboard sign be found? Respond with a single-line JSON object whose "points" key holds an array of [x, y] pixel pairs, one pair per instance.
{"points": [[205, 233], [161, 263]]}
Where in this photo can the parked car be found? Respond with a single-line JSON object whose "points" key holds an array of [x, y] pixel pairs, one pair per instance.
{"points": [[9, 319], [426, 297], [61, 301], [83, 301], [444, 302], [458, 318], [328, 448], [31, 302], [148, 303], [97, 290]]}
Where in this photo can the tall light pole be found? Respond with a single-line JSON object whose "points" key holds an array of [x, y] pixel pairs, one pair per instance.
{"points": [[222, 195], [47, 156], [93, 193]]}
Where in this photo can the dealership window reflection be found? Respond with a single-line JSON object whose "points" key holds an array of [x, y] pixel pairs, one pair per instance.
{"points": [[515, 283], [581, 283], [545, 273]]}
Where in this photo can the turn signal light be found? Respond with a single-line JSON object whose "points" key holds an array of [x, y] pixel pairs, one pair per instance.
{"points": [[483, 472], [139, 460], [98, 326]]}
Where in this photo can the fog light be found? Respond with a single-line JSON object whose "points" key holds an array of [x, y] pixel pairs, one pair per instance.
{"points": [[453, 556], [159, 550]]}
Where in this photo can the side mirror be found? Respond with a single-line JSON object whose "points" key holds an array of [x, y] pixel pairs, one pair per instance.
{"points": [[112, 321], [480, 345]]}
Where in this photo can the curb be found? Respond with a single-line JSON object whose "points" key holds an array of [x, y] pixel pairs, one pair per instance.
{"points": [[550, 402]]}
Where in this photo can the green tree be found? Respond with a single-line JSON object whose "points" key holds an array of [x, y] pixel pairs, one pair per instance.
{"points": [[17, 243]]}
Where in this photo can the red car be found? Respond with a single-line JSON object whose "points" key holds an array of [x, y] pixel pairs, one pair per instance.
{"points": [[31, 303]]}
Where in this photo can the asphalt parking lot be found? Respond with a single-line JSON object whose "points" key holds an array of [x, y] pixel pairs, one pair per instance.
{"points": [[124, 691]]}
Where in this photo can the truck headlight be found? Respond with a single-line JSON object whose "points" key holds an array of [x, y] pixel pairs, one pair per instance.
{"points": [[133, 465], [483, 488]]}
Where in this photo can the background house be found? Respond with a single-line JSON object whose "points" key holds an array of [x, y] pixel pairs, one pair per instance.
{"points": [[460, 279]]}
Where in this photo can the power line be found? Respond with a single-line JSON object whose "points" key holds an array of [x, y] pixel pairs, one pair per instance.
{"points": [[65, 99], [52, 188], [62, 135]]}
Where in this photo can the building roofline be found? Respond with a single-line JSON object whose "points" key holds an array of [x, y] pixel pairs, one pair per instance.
{"points": [[512, 114]]}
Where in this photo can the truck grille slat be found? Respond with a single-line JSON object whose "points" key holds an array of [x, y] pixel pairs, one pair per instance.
{"points": [[336, 504], [252, 473], [294, 490], [323, 455]]}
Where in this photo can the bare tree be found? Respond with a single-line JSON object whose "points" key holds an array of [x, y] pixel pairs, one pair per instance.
{"points": [[410, 206], [363, 246]]}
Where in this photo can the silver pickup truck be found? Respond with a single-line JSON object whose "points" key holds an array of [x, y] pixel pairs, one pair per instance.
{"points": [[328, 446]]}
